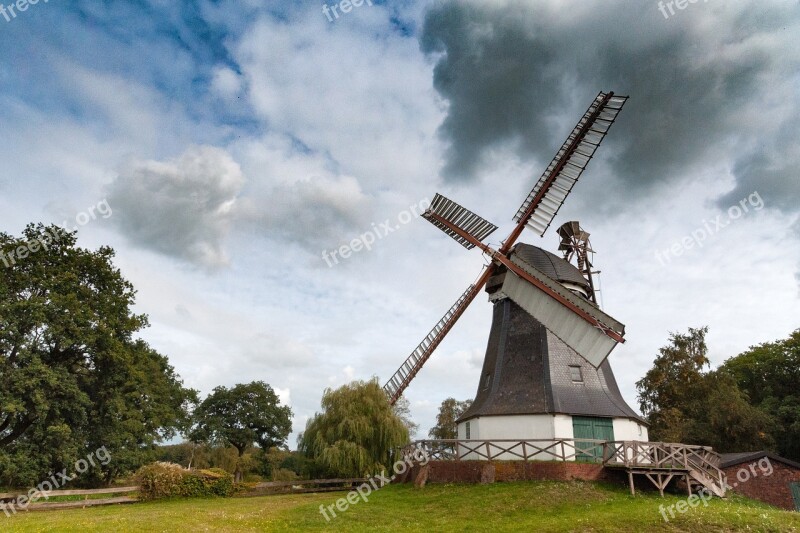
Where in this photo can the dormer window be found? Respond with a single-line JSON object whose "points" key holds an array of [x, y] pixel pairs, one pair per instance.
{"points": [[575, 374]]}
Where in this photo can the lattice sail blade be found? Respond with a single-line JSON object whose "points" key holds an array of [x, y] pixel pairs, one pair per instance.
{"points": [[545, 199], [408, 370], [461, 217]]}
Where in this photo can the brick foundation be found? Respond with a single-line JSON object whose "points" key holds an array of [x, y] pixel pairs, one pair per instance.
{"points": [[475, 471]]}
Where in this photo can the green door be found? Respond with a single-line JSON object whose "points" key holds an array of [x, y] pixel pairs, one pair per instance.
{"points": [[796, 494], [584, 427]]}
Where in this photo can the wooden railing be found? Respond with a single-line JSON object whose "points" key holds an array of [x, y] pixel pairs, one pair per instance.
{"points": [[509, 449], [699, 462]]}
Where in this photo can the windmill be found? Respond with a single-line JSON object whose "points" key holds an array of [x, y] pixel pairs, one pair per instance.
{"points": [[545, 363]]}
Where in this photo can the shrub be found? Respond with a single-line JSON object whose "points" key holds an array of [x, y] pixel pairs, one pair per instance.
{"points": [[160, 480], [215, 482], [284, 474], [168, 480]]}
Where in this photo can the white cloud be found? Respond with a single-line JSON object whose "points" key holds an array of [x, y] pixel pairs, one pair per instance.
{"points": [[181, 207], [226, 83]]}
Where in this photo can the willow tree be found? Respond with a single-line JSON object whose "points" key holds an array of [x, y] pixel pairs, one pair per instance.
{"points": [[356, 432]]}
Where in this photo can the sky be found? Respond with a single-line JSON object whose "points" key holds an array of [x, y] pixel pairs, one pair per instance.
{"points": [[237, 144]]}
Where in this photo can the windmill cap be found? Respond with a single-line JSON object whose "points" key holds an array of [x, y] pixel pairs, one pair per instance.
{"points": [[550, 264]]}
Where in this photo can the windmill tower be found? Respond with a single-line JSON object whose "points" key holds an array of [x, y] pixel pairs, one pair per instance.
{"points": [[545, 374]]}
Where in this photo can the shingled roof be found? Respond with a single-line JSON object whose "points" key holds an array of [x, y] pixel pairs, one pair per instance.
{"points": [[526, 369]]}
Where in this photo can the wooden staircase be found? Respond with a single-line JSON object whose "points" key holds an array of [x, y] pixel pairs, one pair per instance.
{"points": [[660, 462]]}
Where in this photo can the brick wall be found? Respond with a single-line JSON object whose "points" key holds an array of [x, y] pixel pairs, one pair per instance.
{"points": [[471, 471], [773, 489]]}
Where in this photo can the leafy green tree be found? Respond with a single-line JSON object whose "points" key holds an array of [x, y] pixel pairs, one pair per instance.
{"points": [[720, 415], [685, 404], [402, 408], [72, 377], [770, 375], [449, 411], [242, 416], [356, 432], [669, 385]]}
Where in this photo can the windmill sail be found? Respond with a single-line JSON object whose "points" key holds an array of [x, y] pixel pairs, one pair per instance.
{"points": [[549, 193], [460, 217], [590, 340], [414, 362]]}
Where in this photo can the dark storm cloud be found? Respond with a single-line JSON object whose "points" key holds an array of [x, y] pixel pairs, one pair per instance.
{"points": [[520, 74]]}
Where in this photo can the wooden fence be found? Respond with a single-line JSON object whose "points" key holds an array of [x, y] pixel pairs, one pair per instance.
{"points": [[9, 500], [11, 506], [306, 485]]}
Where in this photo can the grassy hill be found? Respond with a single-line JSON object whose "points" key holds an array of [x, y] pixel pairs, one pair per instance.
{"points": [[524, 506]]}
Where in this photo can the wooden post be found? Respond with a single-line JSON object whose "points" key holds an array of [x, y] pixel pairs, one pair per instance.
{"points": [[630, 480]]}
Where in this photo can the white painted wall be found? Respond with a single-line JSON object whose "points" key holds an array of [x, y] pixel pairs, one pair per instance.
{"points": [[514, 427], [532, 427], [625, 429], [562, 427]]}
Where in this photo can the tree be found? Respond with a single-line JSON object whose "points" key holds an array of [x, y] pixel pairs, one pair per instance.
{"points": [[402, 408], [720, 415], [72, 377], [769, 374], [449, 411], [666, 388], [241, 417], [685, 404], [356, 433]]}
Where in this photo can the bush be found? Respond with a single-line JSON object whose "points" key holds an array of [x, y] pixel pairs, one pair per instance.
{"points": [[160, 480], [284, 474], [214, 482], [168, 480]]}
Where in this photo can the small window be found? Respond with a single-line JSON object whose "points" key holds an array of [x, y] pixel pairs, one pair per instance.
{"points": [[640, 429], [575, 374], [466, 428], [487, 381]]}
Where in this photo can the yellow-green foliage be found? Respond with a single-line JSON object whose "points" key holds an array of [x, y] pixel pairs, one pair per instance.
{"points": [[167, 480], [356, 433]]}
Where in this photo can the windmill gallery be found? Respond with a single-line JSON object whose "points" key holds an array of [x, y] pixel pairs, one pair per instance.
{"points": [[546, 390]]}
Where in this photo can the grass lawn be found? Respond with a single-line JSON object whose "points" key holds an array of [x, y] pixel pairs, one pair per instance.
{"points": [[524, 506]]}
